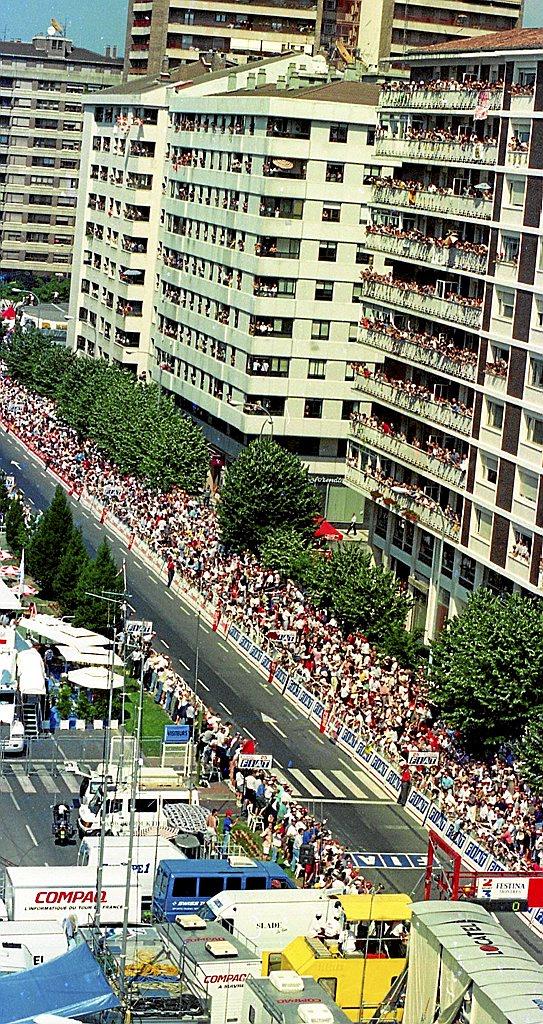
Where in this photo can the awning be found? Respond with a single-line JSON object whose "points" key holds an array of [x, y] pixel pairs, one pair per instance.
{"points": [[327, 531], [95, 678], [94, 656], [70, 984], [30, 672]]}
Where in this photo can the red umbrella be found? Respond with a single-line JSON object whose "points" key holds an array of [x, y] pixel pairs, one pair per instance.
{"points": [[8, 314], [327, 531]]}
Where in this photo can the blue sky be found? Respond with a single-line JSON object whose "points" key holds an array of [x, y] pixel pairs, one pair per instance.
{"points": [[99, 23]]}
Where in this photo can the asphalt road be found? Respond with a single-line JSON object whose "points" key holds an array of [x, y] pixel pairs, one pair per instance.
{"points": [[325, 779]]}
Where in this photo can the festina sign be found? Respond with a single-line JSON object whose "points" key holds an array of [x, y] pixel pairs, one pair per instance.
{"points": [[423, 758], [494, 888]]}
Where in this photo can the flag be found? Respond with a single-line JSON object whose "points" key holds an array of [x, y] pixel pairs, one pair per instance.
{"points": [[20, 587]]}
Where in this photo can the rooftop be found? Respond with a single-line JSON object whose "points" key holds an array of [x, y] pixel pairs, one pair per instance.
{"points": [[357, 93], [76, 55], [516, 40], [53, 311], [184, 74]]}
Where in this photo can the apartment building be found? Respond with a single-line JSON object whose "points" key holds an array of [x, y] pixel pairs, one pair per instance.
{"points": [[41, 88], [449, 453], [257, 303], [181, 30], [381, 28]]}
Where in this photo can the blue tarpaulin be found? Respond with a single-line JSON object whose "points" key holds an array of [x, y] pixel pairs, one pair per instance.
{"points": [[71, 985]]}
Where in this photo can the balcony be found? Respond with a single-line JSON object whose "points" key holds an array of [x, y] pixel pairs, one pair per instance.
{"points": [[423, 408], [458, 97], [416, 458], [409, 506], [451, 257], [430, 151], [423, 201], [429, 305], [415, 353], [276, 167], [278, 248], [516, 158]]}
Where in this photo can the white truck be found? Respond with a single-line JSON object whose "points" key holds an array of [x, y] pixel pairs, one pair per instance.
{"points": [[270, 920], [147, 853], [52, 893], [156, 796], [25, 944]]}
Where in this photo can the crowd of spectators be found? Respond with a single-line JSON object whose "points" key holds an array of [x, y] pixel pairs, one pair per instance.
{"points": [[448, 456], [438, 135], [400, 490], [370, 693], [407, 88], [450, 241], [439, 344], [421, 289], [415, 393], [483, 191]]}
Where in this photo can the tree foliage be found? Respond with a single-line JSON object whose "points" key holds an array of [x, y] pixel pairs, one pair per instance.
{"points": [[49, 542], [487, 668], [530, 750], [267, 488], [100, 576], [131, 422], [74, 560], [15, 526]]}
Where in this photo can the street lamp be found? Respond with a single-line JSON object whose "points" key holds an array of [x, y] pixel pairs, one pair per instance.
{"points": [[436, 561]]}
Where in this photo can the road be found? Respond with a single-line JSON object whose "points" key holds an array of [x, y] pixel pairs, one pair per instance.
{"points": [[322, 776]]}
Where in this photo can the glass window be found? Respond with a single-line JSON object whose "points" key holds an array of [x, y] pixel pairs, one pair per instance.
{"points": [[447, 563], [327, 252], [313, 408], [494, 414], [317, 369], [536, 373], [362, 255], [527, 485], [331, 212], [426, 548], [254, 882], [534, 430], [329, 985], [320, 329], [233, 883], [324, 291], [506, 303], [484, 523], [252, 1015], [467, 571], [489, 466], [210, 885], [517, 188], [146, 805], [184, 886], [335, 172], [338, 133]]}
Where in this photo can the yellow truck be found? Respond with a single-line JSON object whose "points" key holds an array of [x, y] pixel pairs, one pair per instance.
{"points": [[358, 965]]}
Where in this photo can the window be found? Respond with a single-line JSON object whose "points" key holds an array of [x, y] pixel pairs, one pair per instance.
{"points": [[362, 256], [370, 136], [324, 291], [320, 330], [489, 466], [483, 521], [527, 485], [534, 430], [353, 332], [147, 805], [510, 249], [331, 212], [210, 885], [184, 886], [313, 409], [233, 884], [338, 132], [327, 252], [517, 189], [317, 369], [334, 172], [358, 293], [329, 985], [369, 173], [254, 882], [347, 408], [467, 571], [426, 548], [536, 373], [447, 563], [494, 414], [506, 302]]}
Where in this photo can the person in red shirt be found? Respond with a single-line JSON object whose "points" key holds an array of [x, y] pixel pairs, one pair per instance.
{"points": [[405, 785]]}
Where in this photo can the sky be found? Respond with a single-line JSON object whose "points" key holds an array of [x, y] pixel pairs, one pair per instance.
{"points": [[99, 23]]}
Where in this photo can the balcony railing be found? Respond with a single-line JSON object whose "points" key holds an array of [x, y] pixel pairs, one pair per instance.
{"points": [[416, 353], [416, 457], [434, 151], [424, 201], [442, 99], [516, 158], [451, 258], [377, 491], [428, 305], [435, 412]]}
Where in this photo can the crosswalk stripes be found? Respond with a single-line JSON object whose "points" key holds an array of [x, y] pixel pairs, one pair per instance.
{"points": [[352, 788], [15, 781], [334, 783], [285, 781], [327, 783], [48, 781], [24, 781], [310, 788]]}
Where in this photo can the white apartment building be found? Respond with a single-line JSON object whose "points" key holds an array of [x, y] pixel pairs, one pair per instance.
{"points": [[449, 457]]}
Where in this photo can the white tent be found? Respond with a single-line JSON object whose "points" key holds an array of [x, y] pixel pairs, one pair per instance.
{"points": [[9, 602], [94, 656], [30, 672], [95, 678]]}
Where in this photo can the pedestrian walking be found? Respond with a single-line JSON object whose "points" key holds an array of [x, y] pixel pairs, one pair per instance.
{"points": [[226, 830], [405, 785], [352, 527], [170, 569]]}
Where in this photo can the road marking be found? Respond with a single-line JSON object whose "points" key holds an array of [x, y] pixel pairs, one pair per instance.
{"points": [[169, 595], [141, 565], [327, 783], [305, 782], [164, 644], [23, 780], [68, 780], [204, 626], [351, 787], [206, 688], [184, 610], [4, 785], [31, 834], [286, 782], [220, 643], [17, 805], [369, 783], [245, 669], [85, 514], [184, 664], [228, 712], [47, 780], [319, 739], [277, 763], [250, 734], [288, 710]]}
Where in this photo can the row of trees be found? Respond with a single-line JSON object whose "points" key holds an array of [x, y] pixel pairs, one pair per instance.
{"points": [[132, 423]]}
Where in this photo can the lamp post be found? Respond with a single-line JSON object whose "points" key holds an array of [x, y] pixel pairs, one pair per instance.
{"points": [[437, 559], [258, 408]]}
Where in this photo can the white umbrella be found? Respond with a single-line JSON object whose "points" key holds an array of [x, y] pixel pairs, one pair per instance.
{"points": [[95, 678]]}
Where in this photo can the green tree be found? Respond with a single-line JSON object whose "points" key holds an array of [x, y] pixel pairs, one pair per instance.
{"points": [[285, 550], [4, 495], [99, 576], [530, 750], [487, 666], [49, 542], [266, 488], [15, 526], [71, 565], [64, 701]]}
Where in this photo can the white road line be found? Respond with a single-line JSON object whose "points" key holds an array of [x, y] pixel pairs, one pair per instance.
{"points": [[319, 739], [47, 781], [169, 595], [285, 781], [4, 785], [141, 565], [164, 644], [86, 515], [184, 664], [17, 805], [250, 734], [289, 711], [23, 781], [24, 455], [228, 712], [224, 647], [351, 786], [184, 610], [31, 834], [206, 688], [277, 763], [69, 781], [245, 669], [369, 783], [327, 783], [305, 782], [204, 626]]}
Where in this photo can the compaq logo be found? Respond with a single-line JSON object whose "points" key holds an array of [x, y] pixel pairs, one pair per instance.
{"points": [[53, 896], [213, 979]]}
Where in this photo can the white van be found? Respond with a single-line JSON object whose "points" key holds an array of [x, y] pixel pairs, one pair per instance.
{"points": [[150, 807], [147, 853], [121, 777], [52, 893], [29, 943], [271, 919]]}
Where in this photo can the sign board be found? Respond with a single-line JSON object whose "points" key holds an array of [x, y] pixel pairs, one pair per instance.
{"points": [[396, 861], [176, 734], [138, 629], [255, 762], [423, 758], [521, 889], [283, 636]]}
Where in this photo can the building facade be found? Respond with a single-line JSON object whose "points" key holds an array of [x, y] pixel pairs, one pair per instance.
{"points": [[449, 454], [181, 30], [41, 87]]}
